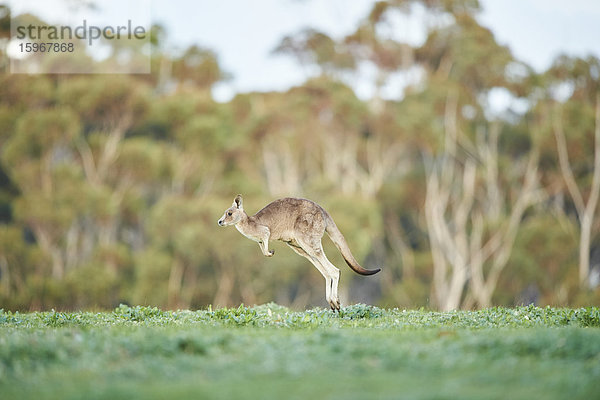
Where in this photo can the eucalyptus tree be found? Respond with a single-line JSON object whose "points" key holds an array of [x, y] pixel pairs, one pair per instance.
{"points": [[574, 85]]}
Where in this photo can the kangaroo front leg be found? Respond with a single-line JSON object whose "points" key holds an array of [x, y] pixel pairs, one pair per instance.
{"points": [[264, 247], [263, 243]]}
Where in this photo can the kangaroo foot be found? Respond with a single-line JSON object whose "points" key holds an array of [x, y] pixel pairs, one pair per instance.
{"points": [[334, 304]]}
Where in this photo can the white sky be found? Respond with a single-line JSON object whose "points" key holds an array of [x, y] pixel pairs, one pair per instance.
{"points": [[243, 33]]}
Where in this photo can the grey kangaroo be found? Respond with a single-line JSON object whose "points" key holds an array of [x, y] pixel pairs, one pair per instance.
{"points": [[300, 223]]}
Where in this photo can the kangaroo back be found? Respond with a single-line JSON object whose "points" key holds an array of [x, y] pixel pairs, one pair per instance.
{"points": [[340, 242]]}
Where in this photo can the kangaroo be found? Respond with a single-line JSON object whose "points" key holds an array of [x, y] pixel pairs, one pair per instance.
{"points": [[300, 223]]}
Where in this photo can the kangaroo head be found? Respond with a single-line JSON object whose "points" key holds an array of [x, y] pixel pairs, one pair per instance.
{"points": [[233, 214]]}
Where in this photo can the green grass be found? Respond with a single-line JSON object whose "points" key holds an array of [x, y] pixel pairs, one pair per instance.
{"points": [[270, 352]]}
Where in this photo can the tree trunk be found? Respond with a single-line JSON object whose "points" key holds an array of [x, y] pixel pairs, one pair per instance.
{"points": [[459, 207], [585, 210]]}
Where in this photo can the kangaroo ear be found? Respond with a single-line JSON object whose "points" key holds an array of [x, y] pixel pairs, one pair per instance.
{"points": [[238, 202]]}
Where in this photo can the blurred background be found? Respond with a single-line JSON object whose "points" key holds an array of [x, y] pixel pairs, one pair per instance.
{"points": [[456, 143]]}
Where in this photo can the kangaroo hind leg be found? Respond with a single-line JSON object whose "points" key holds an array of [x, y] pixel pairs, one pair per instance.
{"points": [[334, 273], [328, 281], [314, 249]]}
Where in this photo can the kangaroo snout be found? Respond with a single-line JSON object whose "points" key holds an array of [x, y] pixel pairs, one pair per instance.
{"points": [[220, 222]]}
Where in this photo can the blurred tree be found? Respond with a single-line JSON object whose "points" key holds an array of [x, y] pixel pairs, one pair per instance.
{"points": [[582, 78], [13, 252], [4, 37], [546, 278], [198, 67], [471, 224], [35, 157], [311, 47]]}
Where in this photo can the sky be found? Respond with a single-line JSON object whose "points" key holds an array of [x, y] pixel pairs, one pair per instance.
{"points": [[243, 33]]}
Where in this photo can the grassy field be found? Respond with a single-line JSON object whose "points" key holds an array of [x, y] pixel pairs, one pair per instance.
{"points": [[269, 352]]}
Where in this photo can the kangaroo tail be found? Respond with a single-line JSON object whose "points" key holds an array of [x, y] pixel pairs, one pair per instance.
{"points": [[340, 242]]}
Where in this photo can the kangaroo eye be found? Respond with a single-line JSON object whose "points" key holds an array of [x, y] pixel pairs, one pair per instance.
{"points": [[230, 213]]}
